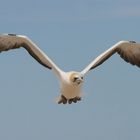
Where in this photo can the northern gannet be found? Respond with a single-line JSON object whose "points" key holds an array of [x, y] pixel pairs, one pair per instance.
{"points": [[71, 82]]}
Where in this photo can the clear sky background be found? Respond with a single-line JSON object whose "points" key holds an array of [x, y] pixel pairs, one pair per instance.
{"points": [[72, 33]]}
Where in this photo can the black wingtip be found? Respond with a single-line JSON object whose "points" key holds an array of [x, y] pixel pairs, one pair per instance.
{"points": [[48, 67], [12, 34], [132, 41]]}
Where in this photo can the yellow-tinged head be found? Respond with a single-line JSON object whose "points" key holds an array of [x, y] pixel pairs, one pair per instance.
{"points": [[75, 77]]}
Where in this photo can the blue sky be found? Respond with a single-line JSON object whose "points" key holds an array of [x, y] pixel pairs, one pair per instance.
{"points": [[72, 33]]}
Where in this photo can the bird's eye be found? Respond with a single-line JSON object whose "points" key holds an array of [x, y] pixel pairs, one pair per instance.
{"points": [[75, 78], [82, 78]]}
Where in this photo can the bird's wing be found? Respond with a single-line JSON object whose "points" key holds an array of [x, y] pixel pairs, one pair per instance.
{"points": [[128, 50], [12, 41]]}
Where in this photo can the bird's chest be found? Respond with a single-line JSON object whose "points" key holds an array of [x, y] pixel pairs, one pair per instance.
{"points": [[70, 91]]}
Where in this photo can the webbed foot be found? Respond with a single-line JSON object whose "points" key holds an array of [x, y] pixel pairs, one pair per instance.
{"points": [[63, 100], [74, 100]]}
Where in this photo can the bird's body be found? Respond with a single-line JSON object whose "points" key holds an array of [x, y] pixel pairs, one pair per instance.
{"points": [[70, 82], [69, 88]]}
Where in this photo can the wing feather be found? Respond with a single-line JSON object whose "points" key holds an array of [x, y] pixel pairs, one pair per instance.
{"points": [[128, 50], [11, 41]]}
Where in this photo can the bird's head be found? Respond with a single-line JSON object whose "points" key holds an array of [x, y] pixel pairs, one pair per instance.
{"points": [[76, 78]]}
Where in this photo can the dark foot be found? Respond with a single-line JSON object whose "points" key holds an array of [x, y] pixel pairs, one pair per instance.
{"points": [[74, 100], [63, 100], [70, 101]]}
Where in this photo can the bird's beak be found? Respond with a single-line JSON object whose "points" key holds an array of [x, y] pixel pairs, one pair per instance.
{"points": [[79, 81]]}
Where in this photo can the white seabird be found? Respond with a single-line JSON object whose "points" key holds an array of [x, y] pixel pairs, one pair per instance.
{"points": [[71, 82]]}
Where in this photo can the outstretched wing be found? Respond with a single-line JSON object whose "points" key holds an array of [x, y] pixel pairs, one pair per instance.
{"points": [[128, 50], [12, 41]]}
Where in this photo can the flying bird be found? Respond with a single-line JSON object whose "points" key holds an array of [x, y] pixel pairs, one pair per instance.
{"points": [[70, 82]]}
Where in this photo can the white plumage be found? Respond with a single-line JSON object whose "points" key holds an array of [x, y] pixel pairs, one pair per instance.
{"points": [[71, 82]]}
